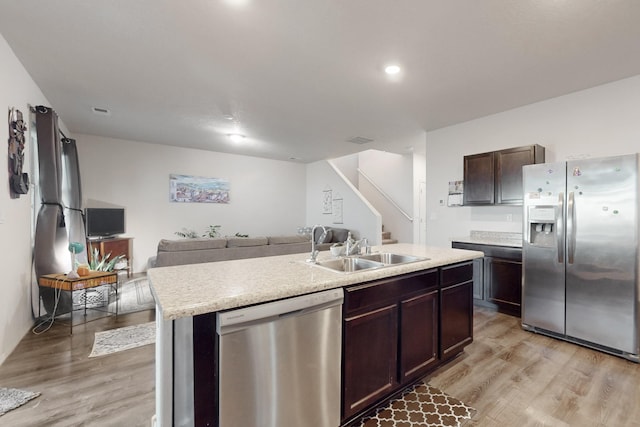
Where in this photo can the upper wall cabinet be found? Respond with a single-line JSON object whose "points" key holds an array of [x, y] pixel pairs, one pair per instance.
{"points": [[495, 178]]}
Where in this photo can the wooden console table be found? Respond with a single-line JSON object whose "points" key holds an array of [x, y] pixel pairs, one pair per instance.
{"points": [[94, 279], [116, 246]]}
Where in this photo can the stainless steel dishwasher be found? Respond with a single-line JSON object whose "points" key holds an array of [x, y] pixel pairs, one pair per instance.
{"points": [[279, 362]]}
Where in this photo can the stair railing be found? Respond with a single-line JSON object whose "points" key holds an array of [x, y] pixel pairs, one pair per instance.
{"points": [[385, 195]]}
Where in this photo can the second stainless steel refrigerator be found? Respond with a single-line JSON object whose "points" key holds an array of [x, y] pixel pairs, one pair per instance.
{"points": [[580, 252]]}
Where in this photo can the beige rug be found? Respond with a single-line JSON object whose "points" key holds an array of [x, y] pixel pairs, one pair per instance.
{"points": [[420, 406], [12, 398], [114, 340]]}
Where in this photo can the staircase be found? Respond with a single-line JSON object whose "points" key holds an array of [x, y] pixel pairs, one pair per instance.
{"points": [[386, 237]]}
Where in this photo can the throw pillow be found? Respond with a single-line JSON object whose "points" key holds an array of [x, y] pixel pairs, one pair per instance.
{"points": [[319, 237]]}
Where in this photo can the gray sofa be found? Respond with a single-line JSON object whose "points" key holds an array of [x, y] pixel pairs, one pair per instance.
{"points": [[195, 251]]}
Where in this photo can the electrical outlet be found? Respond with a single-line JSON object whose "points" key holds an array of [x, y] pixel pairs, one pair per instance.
{"points": [[509, 217]]}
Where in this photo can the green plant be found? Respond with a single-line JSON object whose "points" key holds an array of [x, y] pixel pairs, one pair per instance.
{"points": [[103, 264], [186, 233], [241, 235], [212, 231]]}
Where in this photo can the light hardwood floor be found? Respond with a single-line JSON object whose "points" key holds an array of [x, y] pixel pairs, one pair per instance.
{"points": [[511, 377], [112, 390], [518, 378]]}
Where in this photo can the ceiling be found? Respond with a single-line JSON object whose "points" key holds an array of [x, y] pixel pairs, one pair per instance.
{"points": [[299, 78]]}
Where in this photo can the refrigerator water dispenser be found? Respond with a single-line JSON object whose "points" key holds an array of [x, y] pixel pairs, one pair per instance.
{"points": [[542, 226]]}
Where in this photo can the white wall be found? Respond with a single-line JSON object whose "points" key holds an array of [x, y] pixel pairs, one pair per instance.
{"points": [[601, 121], [18, 90], [419, 179], [393, 174], [348, 165], [268, 197], [358, 215]]}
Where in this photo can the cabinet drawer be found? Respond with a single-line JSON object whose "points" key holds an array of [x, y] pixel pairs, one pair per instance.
{"points": [[377, 294], [457, 273]]}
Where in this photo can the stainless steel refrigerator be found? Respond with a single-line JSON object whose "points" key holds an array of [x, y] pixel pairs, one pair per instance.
{"points": [[580, 252]]}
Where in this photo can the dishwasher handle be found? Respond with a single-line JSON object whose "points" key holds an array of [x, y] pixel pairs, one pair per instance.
{"points": [[291, 313], [233, 320]]}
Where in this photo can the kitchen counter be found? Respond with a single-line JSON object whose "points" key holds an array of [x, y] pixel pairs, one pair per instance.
{"points": [[495, 238], [190, 290], [188, 298]]}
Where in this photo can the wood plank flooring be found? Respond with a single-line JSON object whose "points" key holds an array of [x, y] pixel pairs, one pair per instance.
{"points": [[518, 378], [511, 377], [112, 390]]}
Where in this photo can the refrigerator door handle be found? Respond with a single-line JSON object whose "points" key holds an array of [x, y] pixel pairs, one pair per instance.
{"points": [[571, 227], [560, 228]]}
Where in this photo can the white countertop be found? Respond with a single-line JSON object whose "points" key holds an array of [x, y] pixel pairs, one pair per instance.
{"points": [[495, 238], [189, 290]]}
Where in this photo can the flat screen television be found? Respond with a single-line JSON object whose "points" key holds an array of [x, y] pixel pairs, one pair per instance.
{"points": [[104, 222]]}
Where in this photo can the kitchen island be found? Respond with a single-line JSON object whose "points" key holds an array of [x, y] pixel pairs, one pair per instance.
{"points": [[188, 297]]}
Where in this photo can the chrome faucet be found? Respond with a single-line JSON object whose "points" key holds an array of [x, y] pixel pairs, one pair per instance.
{"points": [[355, 246], [314, 252]]}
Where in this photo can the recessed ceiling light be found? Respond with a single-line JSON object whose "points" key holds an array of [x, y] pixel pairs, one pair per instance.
{"points": [[392, 69], [235, 137]]}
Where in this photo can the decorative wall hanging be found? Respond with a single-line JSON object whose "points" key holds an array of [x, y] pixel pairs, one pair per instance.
{"points": [[456, 189], [18, 180], [197, 189], [337, 209], [326, 201]]}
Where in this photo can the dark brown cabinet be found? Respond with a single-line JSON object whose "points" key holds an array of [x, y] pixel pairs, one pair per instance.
{"points": [[504, 279], [479, 177], [496, 177], [370, 355], [497, 276], [395, 332], [419, 332], [456, 308], [390, 337]]}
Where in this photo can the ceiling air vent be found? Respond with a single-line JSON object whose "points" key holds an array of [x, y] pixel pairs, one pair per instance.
{"points": [[101, 111], [360, 140]]}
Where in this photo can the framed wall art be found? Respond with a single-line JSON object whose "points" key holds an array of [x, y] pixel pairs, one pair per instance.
{"points": [[197, 189]]}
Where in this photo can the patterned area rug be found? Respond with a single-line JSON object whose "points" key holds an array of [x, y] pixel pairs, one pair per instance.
{"points": [[108, 342], [420, 406], [11, 398]]}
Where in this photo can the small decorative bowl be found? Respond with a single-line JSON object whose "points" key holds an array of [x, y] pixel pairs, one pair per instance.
{"points": [[337, 251]]}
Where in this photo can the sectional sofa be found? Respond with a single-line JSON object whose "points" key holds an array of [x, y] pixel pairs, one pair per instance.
{"points": [[195, 251]]}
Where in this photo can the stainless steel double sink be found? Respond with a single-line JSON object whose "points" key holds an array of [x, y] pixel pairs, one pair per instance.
{"points": [[352, 264]]}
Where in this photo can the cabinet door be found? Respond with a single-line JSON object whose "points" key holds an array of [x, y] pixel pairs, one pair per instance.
{"points": [[504, 277], [509, 171], [478, 278], [418, 335], [509, 174], [370, 358], [456, 313], [479, 179]]}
